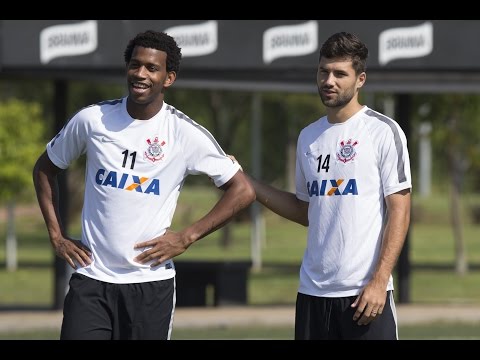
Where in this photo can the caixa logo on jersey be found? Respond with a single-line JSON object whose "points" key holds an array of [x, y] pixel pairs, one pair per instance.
{"points": [[332, 187], [127, 182]]}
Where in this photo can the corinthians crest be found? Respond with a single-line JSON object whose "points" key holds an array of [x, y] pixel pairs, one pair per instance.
{"points": [[347, 150], [154, 151]]}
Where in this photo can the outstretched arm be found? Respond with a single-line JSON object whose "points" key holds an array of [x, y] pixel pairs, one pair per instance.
{"points": [[46, 186], [238, 194], [283, 203]]}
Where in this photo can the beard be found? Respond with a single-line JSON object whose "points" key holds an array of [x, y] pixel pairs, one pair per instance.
{"points": [[340, 100]]}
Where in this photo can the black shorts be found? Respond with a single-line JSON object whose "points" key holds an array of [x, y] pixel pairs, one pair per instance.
{"points": [[97, 310], [322, 318]]}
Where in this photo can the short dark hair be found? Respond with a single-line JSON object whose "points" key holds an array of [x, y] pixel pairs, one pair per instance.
{"points": [[160, 41], [346, 45]]}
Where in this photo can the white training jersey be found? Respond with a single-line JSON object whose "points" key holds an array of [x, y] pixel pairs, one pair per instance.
{"points": [[345, 171], [134, 173]]}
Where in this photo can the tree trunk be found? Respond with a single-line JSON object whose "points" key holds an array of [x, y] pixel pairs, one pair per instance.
{"points": [[221, 122], [456, 176], [291, 155], [11, 244]]}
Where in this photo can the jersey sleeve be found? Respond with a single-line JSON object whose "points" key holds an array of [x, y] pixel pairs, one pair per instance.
{"points": [[395, 161], [69, 143], [203, 154]]}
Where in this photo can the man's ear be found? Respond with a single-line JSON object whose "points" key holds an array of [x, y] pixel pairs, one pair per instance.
{"points": [[361, 80], [170, 79]]}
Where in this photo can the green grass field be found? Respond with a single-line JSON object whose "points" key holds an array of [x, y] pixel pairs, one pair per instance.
{"points": [[432, 257]]}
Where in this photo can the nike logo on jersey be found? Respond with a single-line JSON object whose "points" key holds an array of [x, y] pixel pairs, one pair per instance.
{"points": [[320, 189], [107, 140], [127, 182]]}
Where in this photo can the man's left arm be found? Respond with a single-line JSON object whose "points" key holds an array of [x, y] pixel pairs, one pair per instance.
{"points": [[238, 194], [372, 300]]}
